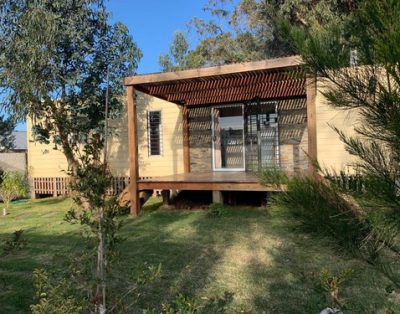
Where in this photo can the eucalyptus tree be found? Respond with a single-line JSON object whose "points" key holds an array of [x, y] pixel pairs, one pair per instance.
{"points": [[62, 64], [54, 56], [247, 30]]}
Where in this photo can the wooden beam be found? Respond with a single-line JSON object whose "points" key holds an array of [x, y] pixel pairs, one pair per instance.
{"points": [[278, 63], [208, 186], [133, 151], [248, 78], [285, 87], [186, 136], [311, 86]]}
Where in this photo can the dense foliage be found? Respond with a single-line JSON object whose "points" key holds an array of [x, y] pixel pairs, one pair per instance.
{"points": [[13, 185], [370, 36], [249, 30], [54, 57], [7, 138]]}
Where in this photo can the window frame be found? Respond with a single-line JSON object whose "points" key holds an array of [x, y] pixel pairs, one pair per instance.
{"points": [[160, 134]]}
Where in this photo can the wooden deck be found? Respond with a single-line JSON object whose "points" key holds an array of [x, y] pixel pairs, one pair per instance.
{"points": [[214, 181]]}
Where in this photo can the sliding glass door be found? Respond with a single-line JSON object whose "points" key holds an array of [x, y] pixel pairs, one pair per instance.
{"points": [[228, 138]]}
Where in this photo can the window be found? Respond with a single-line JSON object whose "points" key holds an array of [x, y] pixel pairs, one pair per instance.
{"points": [[154, 132]]}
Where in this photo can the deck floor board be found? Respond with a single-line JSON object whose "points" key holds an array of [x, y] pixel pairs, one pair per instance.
{"points": [[221, 180]]}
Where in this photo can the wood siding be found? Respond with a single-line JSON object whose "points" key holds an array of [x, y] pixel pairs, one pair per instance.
{"points": [[331, 151], [44, 161]]}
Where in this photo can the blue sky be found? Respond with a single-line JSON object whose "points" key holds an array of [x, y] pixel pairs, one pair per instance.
{"points": [[152, 24]]}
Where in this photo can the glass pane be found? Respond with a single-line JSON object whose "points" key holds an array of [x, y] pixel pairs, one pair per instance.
{"points": [[228, 138]]}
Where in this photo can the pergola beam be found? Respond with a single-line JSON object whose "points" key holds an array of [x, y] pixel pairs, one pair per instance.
{"points": [[278, 63]]}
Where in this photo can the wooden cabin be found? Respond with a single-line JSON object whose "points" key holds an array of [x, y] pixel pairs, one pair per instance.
{"points": [[213, 129]]}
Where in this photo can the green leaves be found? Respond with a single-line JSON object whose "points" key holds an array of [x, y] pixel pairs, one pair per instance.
{"points": [[54, 57]]}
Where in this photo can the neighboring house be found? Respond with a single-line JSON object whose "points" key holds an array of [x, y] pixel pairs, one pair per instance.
{"points": [[15, 159], [214, 128]]}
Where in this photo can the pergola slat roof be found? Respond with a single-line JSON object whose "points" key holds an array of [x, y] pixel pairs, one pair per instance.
{"points": [[269, 79]]}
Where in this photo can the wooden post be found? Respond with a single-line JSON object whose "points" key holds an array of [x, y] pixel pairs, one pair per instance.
{"points": [[186, 139], [32, 188], [166, 197], [311, 86], [217, 197], [133, 151], [54, 187]]}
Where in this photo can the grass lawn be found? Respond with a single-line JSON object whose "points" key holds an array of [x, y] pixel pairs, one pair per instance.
{"points": [[252, 258]]}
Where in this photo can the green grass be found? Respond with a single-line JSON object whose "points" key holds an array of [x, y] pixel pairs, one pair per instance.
{"points": [[256, 258]]}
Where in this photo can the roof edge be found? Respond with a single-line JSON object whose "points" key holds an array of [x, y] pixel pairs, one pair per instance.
{"points": [[268, 64]]}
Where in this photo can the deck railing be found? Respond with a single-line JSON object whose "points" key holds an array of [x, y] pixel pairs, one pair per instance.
{"points": [[57, 186]]}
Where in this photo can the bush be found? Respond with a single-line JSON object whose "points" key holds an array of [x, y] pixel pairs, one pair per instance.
{"points": [[17, 242], [320, 209], [13, 185], [216, 210], [55, 298], [273, 176]]}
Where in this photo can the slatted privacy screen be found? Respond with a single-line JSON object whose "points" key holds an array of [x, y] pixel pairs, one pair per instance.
{"points": [[154, 131]]}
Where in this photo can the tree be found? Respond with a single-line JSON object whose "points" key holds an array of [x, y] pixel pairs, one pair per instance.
{"points": [[14, 185], [370, 37], [7, 138], [54, 57], [62, 64], [251, 29], [176, 58]]}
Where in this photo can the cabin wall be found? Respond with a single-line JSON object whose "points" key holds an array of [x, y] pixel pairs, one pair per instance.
{"points": [[331, 152], [171, 159], [45, 161]]}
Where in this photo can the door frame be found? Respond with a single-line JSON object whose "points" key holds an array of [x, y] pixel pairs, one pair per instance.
{"points": [[213, 109]]}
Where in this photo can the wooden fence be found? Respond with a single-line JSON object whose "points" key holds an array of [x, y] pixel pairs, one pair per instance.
{"points": [[57, 186]]}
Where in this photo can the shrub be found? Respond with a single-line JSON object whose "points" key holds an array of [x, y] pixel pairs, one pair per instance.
{"points": [[17, 242], [273, 176], [320, 209], [14, 185], [216, 210], [54, 298], [332, 283]]}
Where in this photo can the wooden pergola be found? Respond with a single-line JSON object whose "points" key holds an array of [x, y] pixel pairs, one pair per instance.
{"points": [[279, 78]]}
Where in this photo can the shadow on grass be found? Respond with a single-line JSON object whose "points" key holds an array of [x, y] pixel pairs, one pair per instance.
{"points": [[16, 268], [248, 258], [291, 283]]}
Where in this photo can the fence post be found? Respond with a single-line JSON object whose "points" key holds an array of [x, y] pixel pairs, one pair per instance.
{"points": [[54, 187], [32, 188]]}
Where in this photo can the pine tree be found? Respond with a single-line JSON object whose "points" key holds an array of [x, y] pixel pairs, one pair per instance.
{"points": [[358, 60]]}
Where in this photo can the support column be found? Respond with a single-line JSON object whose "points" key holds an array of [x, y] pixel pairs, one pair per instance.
{"points": [[311, 90], [217, 197], [133, 151], [186, 137], [166, 196]]}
